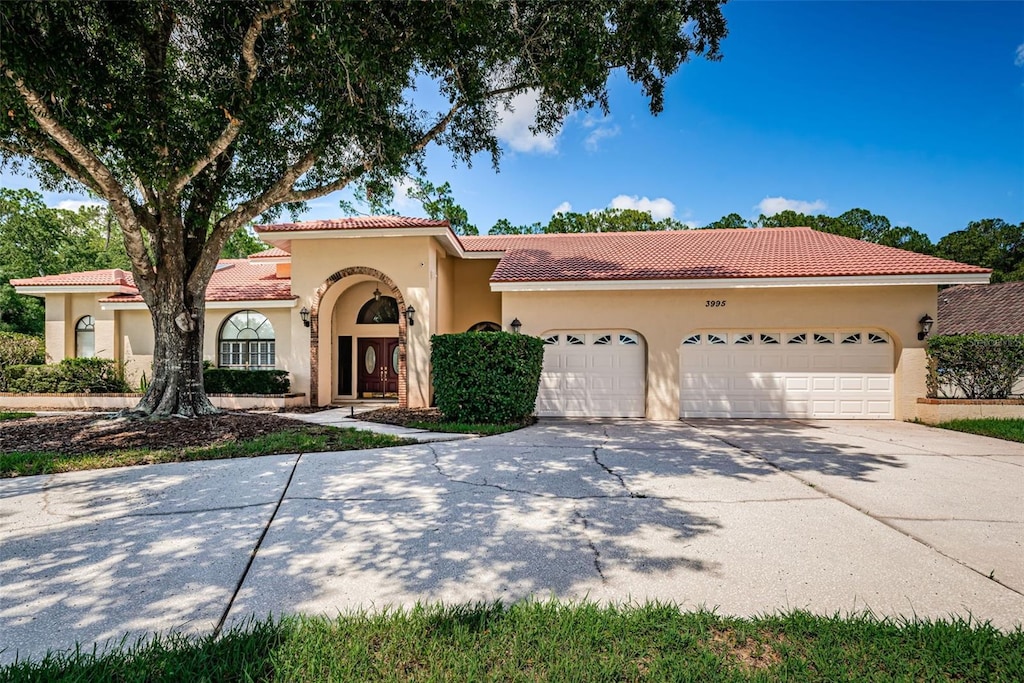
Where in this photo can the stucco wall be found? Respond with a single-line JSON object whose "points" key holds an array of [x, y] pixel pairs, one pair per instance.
{"points": [[474, 302], [405, 260], [664, 317]]}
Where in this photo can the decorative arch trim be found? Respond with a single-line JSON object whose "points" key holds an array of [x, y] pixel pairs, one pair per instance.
{"points": [[314, 331]]}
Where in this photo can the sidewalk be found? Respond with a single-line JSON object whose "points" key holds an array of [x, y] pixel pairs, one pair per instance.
{"points": [[340, 417]]}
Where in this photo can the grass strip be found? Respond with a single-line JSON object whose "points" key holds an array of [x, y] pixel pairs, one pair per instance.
{"points": [[551, 641], [1009, 429], [310, 439], [14, 416], [466, 428]]}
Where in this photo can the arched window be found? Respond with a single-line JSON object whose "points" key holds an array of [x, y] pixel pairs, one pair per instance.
{"points": [[85, 337], [485, 326], [247, 342], [378, 311]]}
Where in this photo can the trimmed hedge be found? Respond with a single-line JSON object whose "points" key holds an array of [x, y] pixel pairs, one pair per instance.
{"points": [[486, 377], [16, 350], [71, 376], [979, 365], [228, 381]]}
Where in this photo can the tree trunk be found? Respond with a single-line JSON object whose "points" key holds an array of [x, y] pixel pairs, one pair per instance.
{"points": [[177, 385]]}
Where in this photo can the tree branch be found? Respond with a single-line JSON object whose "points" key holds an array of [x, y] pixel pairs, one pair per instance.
{"points": [[234, 126], [103, 181]]}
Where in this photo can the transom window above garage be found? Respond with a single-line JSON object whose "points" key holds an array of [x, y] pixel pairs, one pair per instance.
{"points": [[591, 339], [794, 338]]}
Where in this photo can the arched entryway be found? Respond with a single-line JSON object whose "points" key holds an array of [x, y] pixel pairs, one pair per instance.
{"points": [[320, 350]]}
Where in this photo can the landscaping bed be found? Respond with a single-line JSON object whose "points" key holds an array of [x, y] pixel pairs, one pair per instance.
{"points": [[998, 428], [61, 443]]}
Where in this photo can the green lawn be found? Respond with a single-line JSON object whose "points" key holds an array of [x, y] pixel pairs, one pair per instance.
{"points": [[487, 429], [14, 416], [309, 439], [1010, 429], [557, 642]]}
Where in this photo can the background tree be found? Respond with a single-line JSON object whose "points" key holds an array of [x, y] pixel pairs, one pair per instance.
{"points": [[991, 243], [606, 220], [38, 240], [169, 110], [733, 220]]}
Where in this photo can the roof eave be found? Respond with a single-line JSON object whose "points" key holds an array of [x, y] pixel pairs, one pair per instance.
{"points": [[283, 239], [740, 283], [43, 290]]}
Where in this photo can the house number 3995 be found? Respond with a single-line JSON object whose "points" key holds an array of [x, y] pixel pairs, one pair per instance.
{"points": [[714, 303]]}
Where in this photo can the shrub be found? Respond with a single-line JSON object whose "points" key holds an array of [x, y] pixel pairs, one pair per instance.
{"points": [[486, 376], [979, 365], [18, 349], [228, 381], [72, 376]]}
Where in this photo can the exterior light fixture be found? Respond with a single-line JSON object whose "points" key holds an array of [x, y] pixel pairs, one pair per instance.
{"points": [[409, 312], [515, 324], [304, 314], [926, 326], [376, 294]]}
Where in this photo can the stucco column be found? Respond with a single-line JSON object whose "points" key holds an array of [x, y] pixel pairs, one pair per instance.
{"points": [[58, 310]]}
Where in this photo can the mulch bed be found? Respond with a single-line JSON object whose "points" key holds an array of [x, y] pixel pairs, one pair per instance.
{"points": [[402, 417], [78, 434]]}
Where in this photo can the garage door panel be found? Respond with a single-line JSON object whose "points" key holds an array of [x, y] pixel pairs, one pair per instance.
{"points": [[591, 379], [821, 377]]}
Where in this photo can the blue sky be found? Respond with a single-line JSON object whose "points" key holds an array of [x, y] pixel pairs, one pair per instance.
{"points": [[913, 110]]}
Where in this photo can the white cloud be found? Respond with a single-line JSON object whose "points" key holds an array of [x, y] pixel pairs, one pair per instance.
{"points": [[403, 203], [514, 126], [658, 208], [770, 206], [564, 207], [600, 129], [1019, 60], [76, 204]]}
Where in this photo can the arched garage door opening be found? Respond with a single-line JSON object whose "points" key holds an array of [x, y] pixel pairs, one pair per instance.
{"points": [[593, 374], [813, 373]]}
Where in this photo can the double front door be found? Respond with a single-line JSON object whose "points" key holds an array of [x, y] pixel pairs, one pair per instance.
{"points": [[377, 367]]}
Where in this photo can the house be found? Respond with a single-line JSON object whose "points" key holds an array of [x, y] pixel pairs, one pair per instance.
{"points": [[992, 309], [698, 323]]}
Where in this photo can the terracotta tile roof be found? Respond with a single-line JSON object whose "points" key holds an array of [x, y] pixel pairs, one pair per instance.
{"points": [[234, 280], [356, 223], [113, 277], [273, 252], [701, 254], [995, 309]]}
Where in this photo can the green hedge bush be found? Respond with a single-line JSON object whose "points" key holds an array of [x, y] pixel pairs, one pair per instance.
{"points": [[71, 376], [228, 381], [979, 365], [16, 350], [486, 377]]}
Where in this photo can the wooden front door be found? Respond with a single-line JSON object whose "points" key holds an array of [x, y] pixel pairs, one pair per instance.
{"points": [[377, 367]]}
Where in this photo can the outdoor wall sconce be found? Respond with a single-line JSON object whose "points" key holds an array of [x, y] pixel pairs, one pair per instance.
{"points": [[926, 326], [515, 324], [304, 314], [376, 294], [409, 312]]}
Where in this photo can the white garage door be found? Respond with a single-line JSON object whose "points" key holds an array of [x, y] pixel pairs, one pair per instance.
{"points": [[838, 374], [592, 374]]}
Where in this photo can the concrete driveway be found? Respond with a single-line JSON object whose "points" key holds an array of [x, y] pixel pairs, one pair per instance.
{"points": [[744, 516]]}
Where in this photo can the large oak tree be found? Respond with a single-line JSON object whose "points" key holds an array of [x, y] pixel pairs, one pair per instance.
{"points": [[172, 109]]}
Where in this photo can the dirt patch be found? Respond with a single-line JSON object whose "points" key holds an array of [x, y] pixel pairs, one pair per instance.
{"points": [[748, 654], [79, 434], [404, 417]]}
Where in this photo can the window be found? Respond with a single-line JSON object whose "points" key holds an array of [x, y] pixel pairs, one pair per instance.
{"points": [[573, 340], [852, 338], [85, 337], [691, 340], [247, 342], [551, 340], [715, 338], [603, 340], [486, 326], [797, 338], [743, 338], [877, 338], [824, 338], [379, 311], [768, 338], [627, 340]]}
